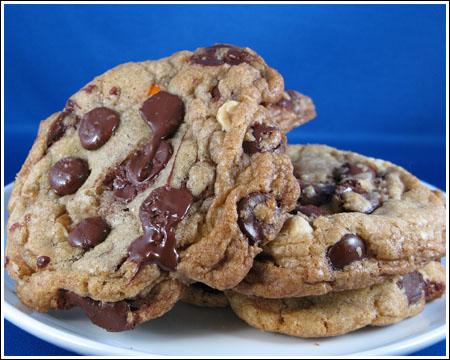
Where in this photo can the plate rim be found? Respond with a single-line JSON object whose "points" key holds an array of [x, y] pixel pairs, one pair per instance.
{"points": [[66, 340], [84, 346]]}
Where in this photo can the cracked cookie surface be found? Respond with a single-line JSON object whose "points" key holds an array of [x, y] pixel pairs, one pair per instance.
{"points": [[342, 312], [358, 221], [155, 173]]}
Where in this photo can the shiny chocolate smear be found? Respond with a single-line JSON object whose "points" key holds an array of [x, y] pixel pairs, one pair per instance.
{"points": [[163, 209], [112, 316], [164, 113]]}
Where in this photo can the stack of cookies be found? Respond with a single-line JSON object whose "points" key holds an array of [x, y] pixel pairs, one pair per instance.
{"points": [[172, 180]]}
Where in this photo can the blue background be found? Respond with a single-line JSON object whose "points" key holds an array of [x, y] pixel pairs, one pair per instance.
{"points": [[375, 72]]}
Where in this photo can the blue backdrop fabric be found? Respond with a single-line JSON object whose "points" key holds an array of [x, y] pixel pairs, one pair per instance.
{"points": [[375, 72]]}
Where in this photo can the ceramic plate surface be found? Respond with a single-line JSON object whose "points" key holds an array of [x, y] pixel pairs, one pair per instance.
{"points": [[188, 330]]}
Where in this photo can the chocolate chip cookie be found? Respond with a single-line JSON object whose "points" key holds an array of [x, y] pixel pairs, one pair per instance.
{"points": [[358, 221], [342, 312], [199, 294], [154, 173]]}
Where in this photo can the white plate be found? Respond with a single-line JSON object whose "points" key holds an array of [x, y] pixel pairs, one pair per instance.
{"points": [[188, 330]]}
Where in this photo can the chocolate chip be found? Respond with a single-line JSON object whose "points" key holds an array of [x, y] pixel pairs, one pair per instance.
{"points": [[433, 290], [164, 207], [161, 211], [347, 250], [236, 56], [349, 179], [70, 106], [353, 185], [413, 286], [112, 316], [292, 103], [60, 126], [144, 166], [215, 93], [42, 261], [316, 194], [114, 91], [57, 130], [68, 174], [138, 171], [221, 54], [249, 224], [97, 126], [89, 232], [164, 114], [310, 210], [17, 225], [353, 169], [90, 88], [125, 192], [267, 139], [264, 257]]}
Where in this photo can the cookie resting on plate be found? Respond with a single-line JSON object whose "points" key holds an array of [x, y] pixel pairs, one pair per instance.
{"points": [[358, 221], [154, 174], [338, 313]]}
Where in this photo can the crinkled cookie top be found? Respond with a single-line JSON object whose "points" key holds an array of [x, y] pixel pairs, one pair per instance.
{"points": [[154, 171]]}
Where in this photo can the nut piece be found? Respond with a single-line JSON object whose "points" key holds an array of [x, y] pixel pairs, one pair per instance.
{"points": [[224, 114]]}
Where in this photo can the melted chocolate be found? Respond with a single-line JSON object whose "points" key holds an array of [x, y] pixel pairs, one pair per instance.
{"points": [[145, 164], [136, 173], [163, 209], [164, 113], [112, 316]]}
